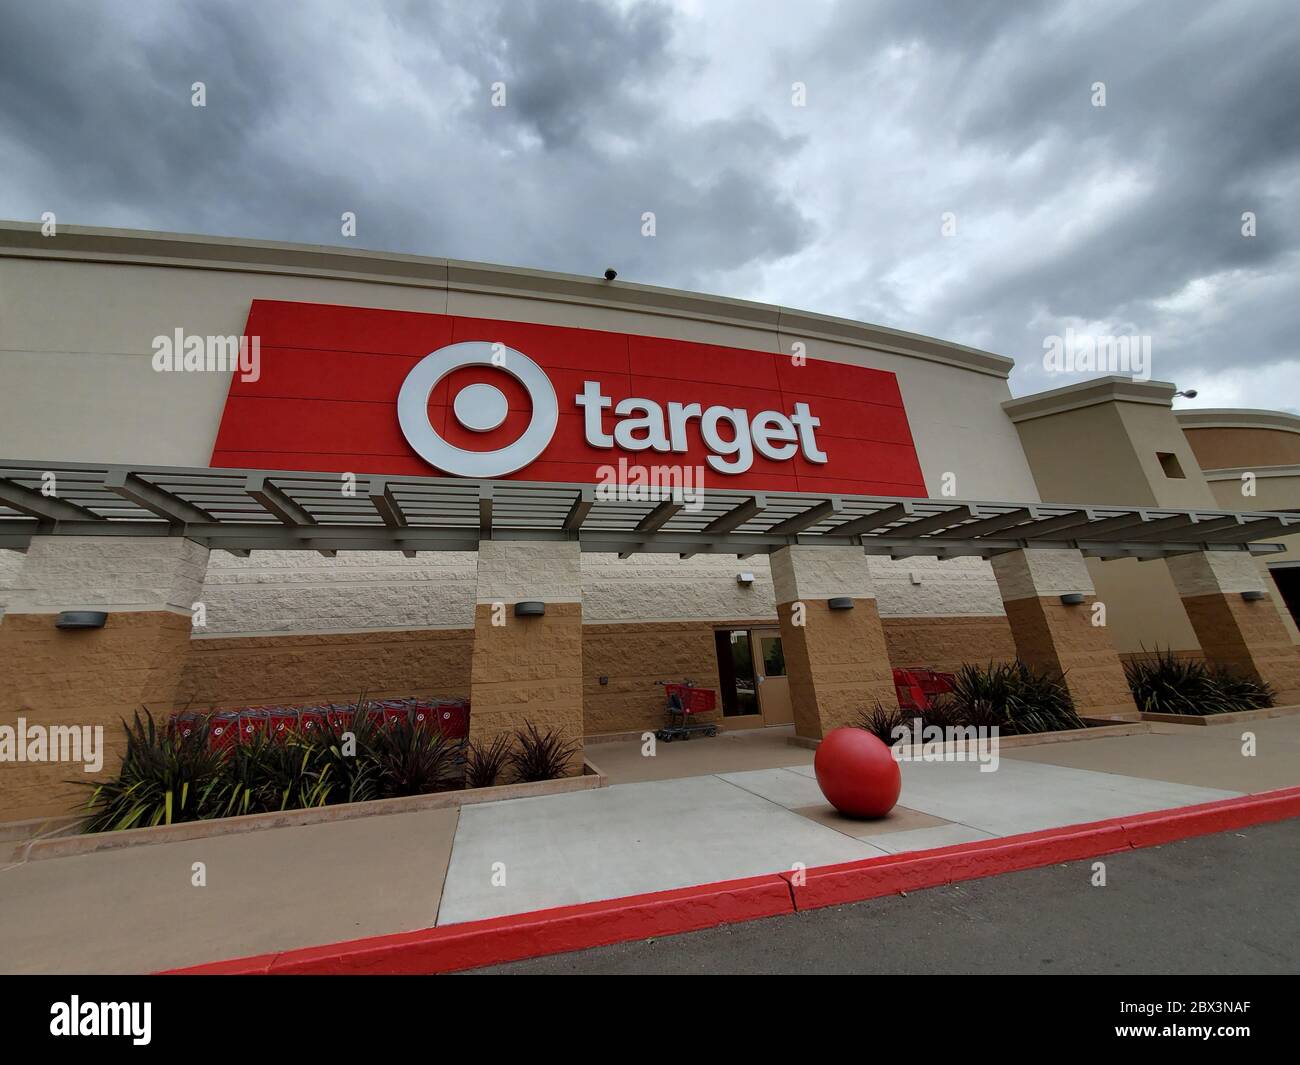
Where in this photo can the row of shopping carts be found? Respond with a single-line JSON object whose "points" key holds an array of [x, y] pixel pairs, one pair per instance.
{"points": [[254, 723]]}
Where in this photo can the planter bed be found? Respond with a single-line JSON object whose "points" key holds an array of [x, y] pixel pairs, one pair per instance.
{"points": [[1223, 719], [64, 845]]}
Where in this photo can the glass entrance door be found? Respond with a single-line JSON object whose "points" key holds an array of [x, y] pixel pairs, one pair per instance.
{"points": [[773, 684], [751, 669]]}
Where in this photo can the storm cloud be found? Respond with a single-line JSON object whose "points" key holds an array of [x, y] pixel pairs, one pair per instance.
{"points": [[1119, 219]]}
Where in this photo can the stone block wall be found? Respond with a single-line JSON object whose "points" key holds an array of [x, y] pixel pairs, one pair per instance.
{"points": [[302, 592]]}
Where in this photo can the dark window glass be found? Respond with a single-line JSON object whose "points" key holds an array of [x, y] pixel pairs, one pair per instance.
{"points": [[773, 656]]}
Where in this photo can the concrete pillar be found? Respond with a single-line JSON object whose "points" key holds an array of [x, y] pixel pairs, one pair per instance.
{"points": [[836, 660], [91, 677], [1247, 635], [527, 669], [1061, 637]]}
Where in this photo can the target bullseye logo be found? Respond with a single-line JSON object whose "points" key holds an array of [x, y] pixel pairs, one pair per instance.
{"points": [[478, 407]]}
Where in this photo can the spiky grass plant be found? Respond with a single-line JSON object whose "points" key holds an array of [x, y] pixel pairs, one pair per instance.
{"points": [[485, 763], [164, 780], [347, 756], [540, 755], [881, 721], [1166, 684], [413, 759], [1014, 696], [264, 776]]}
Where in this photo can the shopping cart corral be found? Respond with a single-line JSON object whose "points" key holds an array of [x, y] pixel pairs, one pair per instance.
{"points": [[683, 701]]}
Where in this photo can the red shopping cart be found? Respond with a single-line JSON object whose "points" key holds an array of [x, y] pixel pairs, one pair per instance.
{"points": [[917, 688], [684, 700]]}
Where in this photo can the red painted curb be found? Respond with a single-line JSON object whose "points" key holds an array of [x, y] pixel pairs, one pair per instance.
{"points": [[527, 935], [870, 878], [566, 928]]}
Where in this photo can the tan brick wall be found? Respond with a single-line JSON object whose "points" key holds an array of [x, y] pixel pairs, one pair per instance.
{"points": [[529, 669], [1249, 637], [1050, 635], [89, 677], [334, 667], [837, 663], [1195, 655], [945, 643], [633, 657]]}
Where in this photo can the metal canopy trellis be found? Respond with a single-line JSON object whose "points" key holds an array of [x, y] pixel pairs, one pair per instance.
{"points": [[242, 510]]}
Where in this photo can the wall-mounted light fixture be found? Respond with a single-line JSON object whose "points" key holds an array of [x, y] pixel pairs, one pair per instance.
{"points": [[745, 578], [81, 619], [530, 608], [1072, 598], [840, 602], [1254, 594]]}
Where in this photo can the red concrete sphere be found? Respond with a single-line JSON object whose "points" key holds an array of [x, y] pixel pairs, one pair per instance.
{"points": [[857, 773]]}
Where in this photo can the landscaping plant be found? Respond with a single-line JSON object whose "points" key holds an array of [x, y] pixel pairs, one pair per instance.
{"points": [[1014, 696], [881, 721], [1167, 684], [540, 756], [266, 775], [352, 774], [164, 779], [413, 759], [1011, 696], [167, 778], [485, 762]]}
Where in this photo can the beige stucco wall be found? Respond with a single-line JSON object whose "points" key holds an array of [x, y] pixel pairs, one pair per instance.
{"points": [[1106, 453]]}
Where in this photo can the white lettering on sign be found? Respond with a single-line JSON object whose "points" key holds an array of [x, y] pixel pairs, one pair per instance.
{"points": [[644, 425], [730, 434]]}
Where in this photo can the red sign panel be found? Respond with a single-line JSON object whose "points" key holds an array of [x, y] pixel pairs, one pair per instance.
{"points": [[548, 403]]}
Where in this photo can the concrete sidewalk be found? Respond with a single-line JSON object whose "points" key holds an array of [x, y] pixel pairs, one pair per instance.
{"points": [[671, 823]]}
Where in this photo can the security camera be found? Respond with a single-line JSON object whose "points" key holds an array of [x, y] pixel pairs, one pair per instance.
{"points": [[610, 273]]}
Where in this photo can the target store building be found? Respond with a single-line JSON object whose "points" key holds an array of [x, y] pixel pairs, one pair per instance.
{"points": [[240, 473]]}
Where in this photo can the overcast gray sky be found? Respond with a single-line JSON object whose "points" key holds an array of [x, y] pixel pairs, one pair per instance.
{"points": [[1119, 219]]}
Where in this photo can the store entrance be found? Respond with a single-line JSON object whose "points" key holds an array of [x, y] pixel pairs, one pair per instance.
{"points": [[751, 668]]}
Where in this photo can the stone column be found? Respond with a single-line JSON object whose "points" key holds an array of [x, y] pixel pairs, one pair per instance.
{"points": [[836, 659], [1247, 635], [91, 677], [1058, 636], [527, 669]]}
